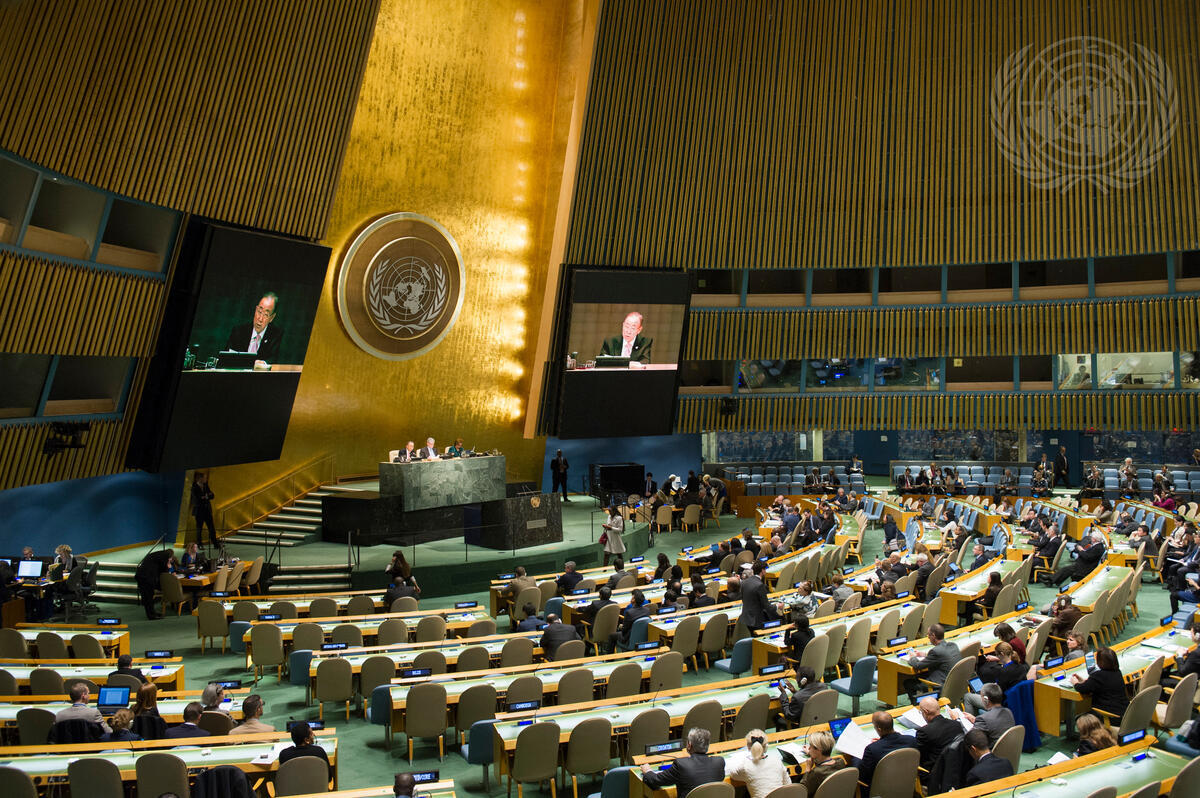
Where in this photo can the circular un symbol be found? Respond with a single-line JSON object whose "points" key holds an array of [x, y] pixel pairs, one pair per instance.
{"points": [[400, 286]]}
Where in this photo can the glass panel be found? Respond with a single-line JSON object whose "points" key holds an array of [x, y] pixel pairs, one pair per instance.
{"points": [[979, 373], [716, 281], [1189, 370], [1131, 268], [22, 378], [1136, 370], [841, 281], [979, 276], [707, 373], [770, 375], [902, 374], [910, 278], [87, 385], [1055, 272], [1074, 372], [1188, 264], [777, 281], [837, 375]]}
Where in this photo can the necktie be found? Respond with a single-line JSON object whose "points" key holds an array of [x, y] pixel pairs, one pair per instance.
{"points": [[626, 348], [255, 338]]}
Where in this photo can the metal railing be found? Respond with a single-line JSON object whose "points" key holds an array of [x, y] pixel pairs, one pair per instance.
{"points": [[276, 495]]}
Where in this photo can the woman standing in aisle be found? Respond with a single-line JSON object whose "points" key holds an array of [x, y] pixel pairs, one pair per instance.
{"points": [[610, 539]]}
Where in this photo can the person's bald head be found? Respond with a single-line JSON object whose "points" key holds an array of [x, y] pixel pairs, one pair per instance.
{"points": [[928, 707], [882, 722]]}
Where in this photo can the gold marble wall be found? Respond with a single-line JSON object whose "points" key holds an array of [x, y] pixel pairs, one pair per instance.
{"points": [[463, 117]]}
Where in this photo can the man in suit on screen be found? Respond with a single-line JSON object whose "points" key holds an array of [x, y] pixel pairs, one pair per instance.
{"points": [[630, 343], [260, 337]]}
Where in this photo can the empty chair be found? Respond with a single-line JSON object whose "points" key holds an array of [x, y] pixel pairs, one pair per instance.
{"points": [[347, 633], [895, 775], [94, 777], [84, 646], [816, 653], [535, 758], [589, 747], [705, 715], [284, 609], [667, 672], [425, 716], [307, 636], [33, 725], [433, 661], [404, 604], [430, 629], [712, 641], [360, 605], [303, 775], [335, 682], [13, 645], [375, 670], [714, 789], [391, 632], [482, 628], [752, 715], [51, 646], [46, 681], [625, 679], [819, 708], [739, 659], [159, 772], [518, 651], [245, 611], [789, 791], [1178, 708], [576, 686], [572, 649], [215, 723], [860, 682], [1103, 792], [8, 683], [16, 783], [323, 607], [648, 727], [473, 658], [477, 702], [1187, 780], [266, 642], [524, 689]]}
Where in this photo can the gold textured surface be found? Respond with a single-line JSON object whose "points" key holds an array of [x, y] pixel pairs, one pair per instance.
{"points": [[237, 110], [461, 118], [834, 133]]}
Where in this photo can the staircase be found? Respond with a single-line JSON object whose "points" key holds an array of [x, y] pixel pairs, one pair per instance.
{"points": [[310, 579], [294, 525], [114, 582]]}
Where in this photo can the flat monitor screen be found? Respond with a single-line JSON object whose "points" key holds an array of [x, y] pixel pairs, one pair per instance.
{"points": [[113, 697], [619, 357], [29, 569]]}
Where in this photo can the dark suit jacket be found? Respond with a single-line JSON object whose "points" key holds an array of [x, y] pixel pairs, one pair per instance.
{"points": [[640, 352], [630, 615], [1087, 560], [134, 672], [554, 635], [567, 581], [268, 348], [756, 607], [425, 453], [979, 561], [186, 730], [989, 768], [937, 662], [934, 736], [687, 773], [878, 750], [589, 612]]}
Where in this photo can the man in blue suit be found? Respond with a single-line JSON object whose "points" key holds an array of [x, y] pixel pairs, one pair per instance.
{"points": [[988, 766]]}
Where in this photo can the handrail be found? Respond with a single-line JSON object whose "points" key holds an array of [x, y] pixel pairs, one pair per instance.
{"points": [[274, 496]]}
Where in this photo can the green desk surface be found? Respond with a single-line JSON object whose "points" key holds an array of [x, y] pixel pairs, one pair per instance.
{"points": [[976, 582], [1132, 659], [92, 672], [982, 633], [874, 613], [48, 765], [404, 653], [465, 616], [1087, 591], [621, 716], [301, 604], [167, 707], [598, 575], [550, 677], [66, 634]]}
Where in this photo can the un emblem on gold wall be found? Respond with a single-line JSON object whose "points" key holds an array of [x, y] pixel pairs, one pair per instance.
{"points": [[400, 286]]}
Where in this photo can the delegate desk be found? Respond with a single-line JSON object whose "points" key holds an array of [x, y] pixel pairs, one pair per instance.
{"points": [[572, 607], [498, 589], [113, 639], [768, 648], [166, 673], [171, 709], [429, 484], [457, 622], [802, 558], [1074, 522], [662, 628], [893, 666], [620, 712], [970, 587], [899, 513], [550, 675], [1086, 591], [440, 789], [255, 754], [1109, 767], [1055, 699], [300, 602]]}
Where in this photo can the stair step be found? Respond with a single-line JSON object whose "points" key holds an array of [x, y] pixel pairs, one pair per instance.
{"points": [[124, 598], [245, 541], [284, 578], [319, 587], [303, 526], [270, 533], [102, 582], [304, 510], [325, 490], [291, 569], [287, 516], [117, 566]]}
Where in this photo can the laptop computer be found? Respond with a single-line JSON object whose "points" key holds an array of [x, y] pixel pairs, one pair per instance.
{"points": [[29, 569], [229, 359], [836, 727], [111, 699]]}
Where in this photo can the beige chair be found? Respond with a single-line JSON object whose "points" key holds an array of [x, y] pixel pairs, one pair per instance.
{"points": [[84, 646], [431, 628], [221, 579], [235, 577], [245, 611], [712, 640], [714, 789], [211, 623], [910, 627], [833, 656], [589, 748], [304, 775], [425, 716], [971, 650], [528, 595], [171, 593], [393, 631], [1187, 780], [322, 607], [477, 702], [705, 715], [816, 653], [687, 638], [347, 633], [623, 680], [858, 640], [789, 791], [1178, 708], [13, 645], [374, 671], [307, 636], [691, 518], [576, 686], [70, 681], [404, 604], [524, 689], [572, 649], [16, 783], [629, 580], [648, 727], [821, 707], [535, 758], [335, 682], [518, 651], [664, 517], [94, 777], [46, 681], [1150, 790], [840, 785], [484, 627], [1151, 676], [266, 643], [955, 686], [1138, 714], [216, 724], [751, 715], [51, 646], [546, 591], [889, 624], [666, 673], [1009, 746], [1103, 792], [896, 775], [159, 772], [473, 658], [604, 625], [33, 725], [124, 680], [284, 609], [850, 604], [360, 605], [253, 576], [8, 683], [434, 661]]}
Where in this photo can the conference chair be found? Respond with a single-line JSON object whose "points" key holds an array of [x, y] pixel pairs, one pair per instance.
{"points": [[70, 681], [524, 689], [477, 702], [739, 659], [572, 649], [753, 715], [347, 633], [1138, 714], [623, 680], [535, 758], [833, 655], [303, 775], [816, 653], [253, 576], [1150, 790], [266, 640], [95, 777], [307, 636], [546, 591], [215, 723], [235, 577], [51, 646], [705, 715], [860, 681], [284, 609], [484, 627], [430, 629], [171, 593], [789, 791], [576, 686], [1151, 676], [84, 646], [603, 626], [404, 604], [473, 658], [335, 682], [663, 519], [13, 645], [648, 727], [821, 707], [713, 789], [323, 607], [712, 641], [46, 681], [518, 651], [687, 638], [1009, 746], [691, 518], [360, 605], [8, 683], [667, 672], [839, 785], [955, 686], [375, 670], [1178, 708], [391, 632], [910, 627], [1187, 780], [1103, 792], [244, 611], [33, 725], [889, 625], [433, 661], [16, 783], [425, 716], [895, 775], [159, 772], [589, 749]]}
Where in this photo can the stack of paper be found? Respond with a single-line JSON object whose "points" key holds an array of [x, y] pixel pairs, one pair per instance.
{"points": [[1059, 757], [853, 741], [913, 718]]}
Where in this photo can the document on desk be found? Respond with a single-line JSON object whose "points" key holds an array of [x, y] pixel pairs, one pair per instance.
{"points": [[913, 719], [853, 741], [267, 757], [1059, 757]]}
